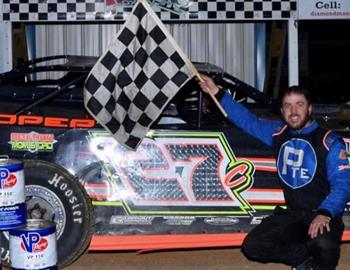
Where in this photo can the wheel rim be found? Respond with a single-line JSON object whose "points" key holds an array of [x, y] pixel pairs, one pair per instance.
{"points": [[43, 203]]}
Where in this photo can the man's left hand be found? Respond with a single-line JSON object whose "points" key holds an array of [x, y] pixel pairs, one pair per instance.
{"points": [[319, 225]]}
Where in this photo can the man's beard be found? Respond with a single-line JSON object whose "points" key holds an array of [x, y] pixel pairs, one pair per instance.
{"points": [[302, 123]]}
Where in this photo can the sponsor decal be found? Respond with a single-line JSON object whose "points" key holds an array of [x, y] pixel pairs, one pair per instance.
{"points": [[327, 9], [296, 163], [7, 179], [32, 142], [179, 220], [347, 147], [221, 220], [33, 242], [131, 220], [343, 167], [257, 220], [345, 154]]}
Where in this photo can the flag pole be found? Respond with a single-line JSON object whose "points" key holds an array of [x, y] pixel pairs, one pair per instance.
{"points": [[217, 103]]}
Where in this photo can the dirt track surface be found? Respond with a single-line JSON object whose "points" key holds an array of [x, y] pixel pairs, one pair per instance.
{"points": [[204, 259]]}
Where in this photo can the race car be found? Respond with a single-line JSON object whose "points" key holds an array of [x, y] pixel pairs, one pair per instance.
{"points": [[196, 180]]}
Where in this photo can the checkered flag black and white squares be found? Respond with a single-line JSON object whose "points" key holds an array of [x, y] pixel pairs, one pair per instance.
{"points": [[136, 77]]}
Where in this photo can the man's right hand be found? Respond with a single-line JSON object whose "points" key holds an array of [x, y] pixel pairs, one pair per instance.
{"points": [[319, 225], [208, 85]]}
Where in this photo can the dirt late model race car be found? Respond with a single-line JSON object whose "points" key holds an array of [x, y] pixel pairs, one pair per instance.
{"points": [[195, 181]]}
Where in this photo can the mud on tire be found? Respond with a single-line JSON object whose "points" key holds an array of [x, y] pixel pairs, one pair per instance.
{"points": [[53, 193]]}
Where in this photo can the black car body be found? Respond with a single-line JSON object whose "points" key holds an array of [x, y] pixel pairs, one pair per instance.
{"points": [[195, 181]]}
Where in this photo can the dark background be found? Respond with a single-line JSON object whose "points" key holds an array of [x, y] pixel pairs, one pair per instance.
{"points": [[324, 59]]}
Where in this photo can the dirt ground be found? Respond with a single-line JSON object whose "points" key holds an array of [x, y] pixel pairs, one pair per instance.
{"points": [[203, 259]]}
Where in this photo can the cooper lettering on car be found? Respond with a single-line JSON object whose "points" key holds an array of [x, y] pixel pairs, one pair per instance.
{"points": [[29, 120], [82, 123], [57, 122], [8, 119]]}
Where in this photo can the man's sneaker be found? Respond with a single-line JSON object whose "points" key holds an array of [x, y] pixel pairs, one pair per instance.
{"points": [[305, 265]]}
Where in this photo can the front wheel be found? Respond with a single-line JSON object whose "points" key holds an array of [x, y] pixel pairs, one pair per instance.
{"points": [[53, 193]]}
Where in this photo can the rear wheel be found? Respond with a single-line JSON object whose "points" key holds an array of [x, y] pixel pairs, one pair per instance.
{"points": [[53, 193]]}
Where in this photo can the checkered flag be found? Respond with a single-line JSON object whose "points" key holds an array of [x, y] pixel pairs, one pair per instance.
{"points": [[136, 77]]}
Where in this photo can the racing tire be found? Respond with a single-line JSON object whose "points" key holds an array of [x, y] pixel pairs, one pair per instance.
{"points": [[53, 193]]}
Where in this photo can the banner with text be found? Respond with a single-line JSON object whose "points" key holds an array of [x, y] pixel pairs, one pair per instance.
{"points": [[319, 10]]}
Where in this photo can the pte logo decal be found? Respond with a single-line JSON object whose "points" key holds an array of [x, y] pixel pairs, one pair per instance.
{"points": [[296, 163], [33, 242], [7, 179]]}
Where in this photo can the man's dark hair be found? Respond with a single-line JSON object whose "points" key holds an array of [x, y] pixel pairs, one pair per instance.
{"points": [[296, 89]]}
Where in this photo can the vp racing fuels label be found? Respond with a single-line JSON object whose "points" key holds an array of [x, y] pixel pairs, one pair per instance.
{"points": [[12, 198], [34, 246]]}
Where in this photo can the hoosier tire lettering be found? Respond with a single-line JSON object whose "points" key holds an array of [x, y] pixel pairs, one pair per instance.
{"points": [[57, 182]]}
